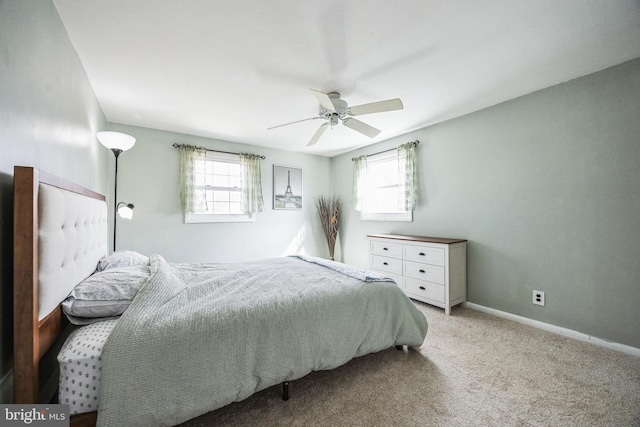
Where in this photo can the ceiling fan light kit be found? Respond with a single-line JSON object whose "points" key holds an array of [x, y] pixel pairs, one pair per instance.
{"points": [[334, 110]]}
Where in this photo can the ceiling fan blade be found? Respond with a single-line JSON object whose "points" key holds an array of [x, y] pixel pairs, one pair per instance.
{"points": [[316, 136], [376, 107], [324, 100], [361, 127], [297, 121]]}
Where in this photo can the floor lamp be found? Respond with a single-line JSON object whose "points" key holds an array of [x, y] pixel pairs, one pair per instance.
{"points": [[117, 142]]}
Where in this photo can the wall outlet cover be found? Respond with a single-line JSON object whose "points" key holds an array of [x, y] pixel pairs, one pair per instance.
{"points": [[538, 298]]}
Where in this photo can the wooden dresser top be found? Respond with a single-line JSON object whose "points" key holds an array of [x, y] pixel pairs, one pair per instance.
{"points": [[417, 238]]}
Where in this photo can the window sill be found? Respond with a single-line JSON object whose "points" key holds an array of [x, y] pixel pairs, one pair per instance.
{"points": [[208, 218], [400, 216]]}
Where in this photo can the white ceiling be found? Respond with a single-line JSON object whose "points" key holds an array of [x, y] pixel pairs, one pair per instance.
{"points": [[229, 69]]}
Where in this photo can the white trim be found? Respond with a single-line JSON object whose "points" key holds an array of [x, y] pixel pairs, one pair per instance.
{"points": [[6, 387], [396, 216], [570, 333], [191, 218]]}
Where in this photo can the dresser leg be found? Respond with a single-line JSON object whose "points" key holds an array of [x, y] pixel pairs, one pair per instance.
{"points": [[285, 390]]}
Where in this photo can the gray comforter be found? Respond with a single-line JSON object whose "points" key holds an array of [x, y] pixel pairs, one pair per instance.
{"points": [[200, 336]]}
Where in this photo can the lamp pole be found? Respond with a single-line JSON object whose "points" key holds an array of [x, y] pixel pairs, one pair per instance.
{"points": [[116, 152]]}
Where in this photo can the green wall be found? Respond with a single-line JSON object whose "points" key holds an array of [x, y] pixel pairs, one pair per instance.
{"points": [[546, 188], [49, 116]]}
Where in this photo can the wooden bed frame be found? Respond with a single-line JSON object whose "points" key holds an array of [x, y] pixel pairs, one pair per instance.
{"points": [[33, 337]]}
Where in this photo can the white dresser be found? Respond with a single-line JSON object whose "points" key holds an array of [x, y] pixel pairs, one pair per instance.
{"points": [[428, 269]]}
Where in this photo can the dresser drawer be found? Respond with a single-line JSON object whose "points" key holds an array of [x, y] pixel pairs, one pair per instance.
{"points": [[431, 273], [424, 254], [393, 250], [392, 265], [421, 289]]}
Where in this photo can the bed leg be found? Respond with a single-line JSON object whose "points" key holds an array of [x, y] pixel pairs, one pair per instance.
{"points": [[399, 347], [285, 390]]}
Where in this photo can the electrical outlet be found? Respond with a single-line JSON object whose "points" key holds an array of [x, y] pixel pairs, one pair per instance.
{"points": [[538, 298]]}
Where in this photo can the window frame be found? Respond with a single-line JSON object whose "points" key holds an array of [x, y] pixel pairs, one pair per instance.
{"points": [[404, 216], [196, 218]]}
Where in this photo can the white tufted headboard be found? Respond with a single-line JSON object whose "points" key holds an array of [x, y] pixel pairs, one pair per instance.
{"points": [[72, 236], [60, 234]]}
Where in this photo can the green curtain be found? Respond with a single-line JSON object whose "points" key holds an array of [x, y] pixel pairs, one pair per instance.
{"points": [[251, 183], [359, 181], [407, 176], [193, 197]]}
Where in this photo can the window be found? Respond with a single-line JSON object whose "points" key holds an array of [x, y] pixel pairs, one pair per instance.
{"points": [[381, 190], [221, 177]]}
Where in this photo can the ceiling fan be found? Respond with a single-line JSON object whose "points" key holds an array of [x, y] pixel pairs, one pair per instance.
{"points": [[334, 110]]}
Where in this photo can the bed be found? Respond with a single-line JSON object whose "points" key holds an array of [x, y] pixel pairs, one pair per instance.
{"points": [[217, 332]]}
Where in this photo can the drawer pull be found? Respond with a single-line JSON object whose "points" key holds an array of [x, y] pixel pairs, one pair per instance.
{"points": [[423, 288], [422, 254], [422, 271], [385, 249], [385, 263]]}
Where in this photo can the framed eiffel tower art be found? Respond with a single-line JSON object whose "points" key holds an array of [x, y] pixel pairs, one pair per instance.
{"points": [[287, 187]]}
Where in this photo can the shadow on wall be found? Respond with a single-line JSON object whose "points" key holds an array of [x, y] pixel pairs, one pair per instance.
{"points": [[6, 272]]}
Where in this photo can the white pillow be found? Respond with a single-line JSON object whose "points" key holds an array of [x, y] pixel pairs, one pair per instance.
{"points": [[122, 259], [104, 294]]}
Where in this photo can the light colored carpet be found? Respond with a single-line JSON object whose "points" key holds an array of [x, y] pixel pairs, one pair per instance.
{"points": [[474, 369]]}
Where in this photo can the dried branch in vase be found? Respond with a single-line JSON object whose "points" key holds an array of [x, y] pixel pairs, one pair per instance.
{"points": [[329, 211]]}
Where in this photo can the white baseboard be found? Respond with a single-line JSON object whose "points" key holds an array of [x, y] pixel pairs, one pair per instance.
{"points": [[6, 388], [557, 329]]}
